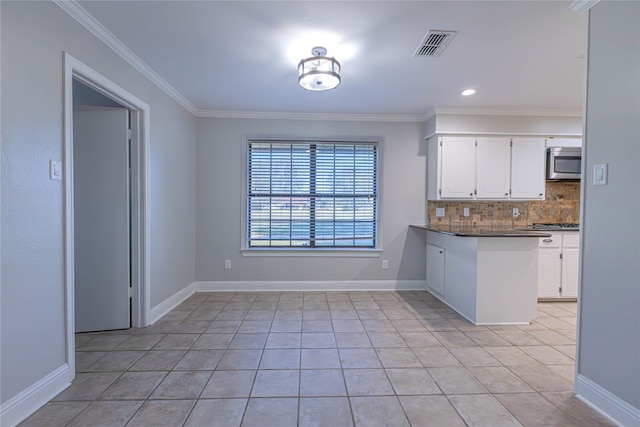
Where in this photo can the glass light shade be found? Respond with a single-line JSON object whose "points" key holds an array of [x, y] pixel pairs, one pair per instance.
{"points": [[319, 73]]}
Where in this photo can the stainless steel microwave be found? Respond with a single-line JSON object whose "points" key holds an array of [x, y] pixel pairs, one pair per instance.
{"points": [[564, 163]]}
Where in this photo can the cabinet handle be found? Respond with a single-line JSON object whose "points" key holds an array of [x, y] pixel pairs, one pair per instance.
{"points": [[540, 194], [471, 194], [548, 240], [506, 194], [440, 251]]}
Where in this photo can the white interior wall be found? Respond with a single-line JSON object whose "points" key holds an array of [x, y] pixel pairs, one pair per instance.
{"points": [[609, 314], [219, 195], [34, 36]]}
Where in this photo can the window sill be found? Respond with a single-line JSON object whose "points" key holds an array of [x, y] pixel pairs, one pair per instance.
{"points": [[316, 252]]}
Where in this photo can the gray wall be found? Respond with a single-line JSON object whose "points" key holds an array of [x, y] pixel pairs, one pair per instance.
{"points": [[609, 316], [34, 36], [220, 166]]}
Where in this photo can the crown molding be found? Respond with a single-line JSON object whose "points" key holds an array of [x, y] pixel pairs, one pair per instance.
{"points": [[488, 111], [220, 114], [85, 19], [583, 5]]}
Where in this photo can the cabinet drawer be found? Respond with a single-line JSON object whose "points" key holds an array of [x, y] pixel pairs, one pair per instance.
{"points": [[554, 241], [571, 240]]}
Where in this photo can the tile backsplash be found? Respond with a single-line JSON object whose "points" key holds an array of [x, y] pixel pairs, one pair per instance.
{"points": [[561, 204]]}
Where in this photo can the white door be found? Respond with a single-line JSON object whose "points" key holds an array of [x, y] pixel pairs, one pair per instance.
{"points": [[435, 269], [549, 266], [101, 218], [528, 168], [570, 266], [458, 168], [493, 168], [549, 272]]}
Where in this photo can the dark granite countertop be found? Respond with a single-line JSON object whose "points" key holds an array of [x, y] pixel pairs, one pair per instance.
{"points": [[471, 231]]}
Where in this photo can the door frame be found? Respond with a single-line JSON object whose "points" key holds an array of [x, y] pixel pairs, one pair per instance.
{"points": [[140, 195]]}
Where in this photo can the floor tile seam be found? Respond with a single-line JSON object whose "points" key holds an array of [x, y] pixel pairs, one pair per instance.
{"points": [[520, 377], [118, 370], [568, 414], [513, 414], [491, 394], [125, 372], [404, 412], [510, 372], [79, 413], [97, 401]]}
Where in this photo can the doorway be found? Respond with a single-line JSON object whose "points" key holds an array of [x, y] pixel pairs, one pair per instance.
{"points": [[115, 108], [102, 211]]}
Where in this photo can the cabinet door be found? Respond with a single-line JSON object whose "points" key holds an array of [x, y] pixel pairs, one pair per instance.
{"points": [[493, 168], [435, 268], [527, 168], [549, 272], [570, 262], [458, 167]]}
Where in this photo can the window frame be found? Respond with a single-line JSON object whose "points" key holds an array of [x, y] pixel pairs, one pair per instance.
{"points": [[310, 251]]}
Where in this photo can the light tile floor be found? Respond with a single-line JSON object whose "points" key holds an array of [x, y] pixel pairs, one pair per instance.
{"points": [[325, 359]]}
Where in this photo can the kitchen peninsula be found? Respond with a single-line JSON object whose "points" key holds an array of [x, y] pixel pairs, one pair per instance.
{"points": [[488, 275]]}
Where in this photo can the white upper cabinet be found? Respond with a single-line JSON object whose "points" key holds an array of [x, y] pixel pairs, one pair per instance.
{"points": [[527, 168], [493, 165], [457, 168], [485, 168]]}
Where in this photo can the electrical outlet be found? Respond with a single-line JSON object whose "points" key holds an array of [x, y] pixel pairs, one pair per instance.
{"points": [[439, 211], [516, 212], [227, 264], [385, 264], [465, 212]]}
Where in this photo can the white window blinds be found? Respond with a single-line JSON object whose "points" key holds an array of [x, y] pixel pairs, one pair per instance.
{"points": [[305, 194]]}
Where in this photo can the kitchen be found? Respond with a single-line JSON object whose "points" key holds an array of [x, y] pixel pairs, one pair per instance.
{"points": [[502, 219], [195, 176]]}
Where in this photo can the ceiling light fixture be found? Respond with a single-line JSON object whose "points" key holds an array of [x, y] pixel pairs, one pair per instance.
{"points": [[319, 72], [468, 92]]}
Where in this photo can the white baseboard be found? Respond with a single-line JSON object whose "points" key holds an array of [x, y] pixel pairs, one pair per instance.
{"points": [[19, 407], [606, 403], [170, 303], [330, 285]]}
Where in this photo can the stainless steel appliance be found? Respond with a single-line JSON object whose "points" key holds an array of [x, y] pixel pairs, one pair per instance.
{"points": [[555, 226], [563, 163]]}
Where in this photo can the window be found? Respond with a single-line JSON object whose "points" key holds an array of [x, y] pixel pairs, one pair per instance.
{"points": [[303, 194]]}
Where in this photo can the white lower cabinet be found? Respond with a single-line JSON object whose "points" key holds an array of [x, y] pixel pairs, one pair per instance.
{"points": [[435, 268], [558, 261], [549, 266]]}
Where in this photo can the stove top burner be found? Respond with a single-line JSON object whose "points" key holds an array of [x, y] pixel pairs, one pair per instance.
{"points": [[562, 225]]}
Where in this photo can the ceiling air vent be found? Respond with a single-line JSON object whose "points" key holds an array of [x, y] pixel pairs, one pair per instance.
{"points": [[434, 43]]}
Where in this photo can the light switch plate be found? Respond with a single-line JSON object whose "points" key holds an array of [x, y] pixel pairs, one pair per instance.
{"points": [[600, 172], [465, 212], [439, 211], [55, 170]]}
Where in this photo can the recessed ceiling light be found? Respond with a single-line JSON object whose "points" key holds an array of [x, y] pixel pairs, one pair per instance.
{"points": [[468, 92]]}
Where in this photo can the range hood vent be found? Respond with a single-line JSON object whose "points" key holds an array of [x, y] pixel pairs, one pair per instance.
{"points": [[434, 43]]}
